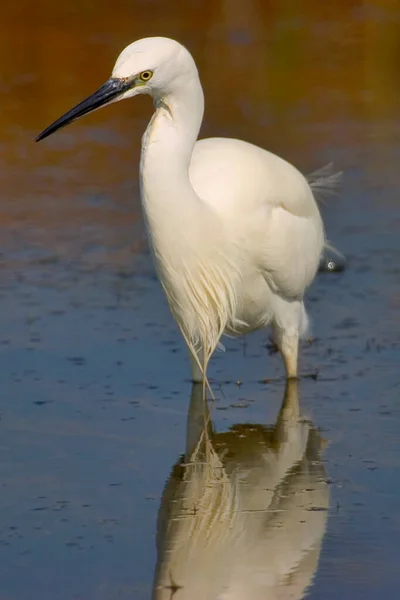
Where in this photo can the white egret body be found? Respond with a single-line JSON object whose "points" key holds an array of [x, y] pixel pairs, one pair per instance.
{"points": [[235, 230]]}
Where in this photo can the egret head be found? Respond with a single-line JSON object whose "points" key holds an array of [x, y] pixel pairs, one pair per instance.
{"points": [[154, 66]]}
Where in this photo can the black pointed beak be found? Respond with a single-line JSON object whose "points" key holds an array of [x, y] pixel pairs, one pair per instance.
{"points": [[109, 92]]}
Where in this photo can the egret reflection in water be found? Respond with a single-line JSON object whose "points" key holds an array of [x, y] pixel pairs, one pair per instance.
{"points": [[244, 512]]}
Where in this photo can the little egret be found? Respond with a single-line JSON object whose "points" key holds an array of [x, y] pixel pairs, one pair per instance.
{"points": [[235, 230]]}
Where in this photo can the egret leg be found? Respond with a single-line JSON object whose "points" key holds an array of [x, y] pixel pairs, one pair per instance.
{"points": [[195, 362], [289, 413], [198, 419], [289, 323], [288, 343]]}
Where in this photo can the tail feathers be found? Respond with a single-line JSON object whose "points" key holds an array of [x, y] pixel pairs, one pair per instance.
{"points": [[325, 181], [332, 250]]}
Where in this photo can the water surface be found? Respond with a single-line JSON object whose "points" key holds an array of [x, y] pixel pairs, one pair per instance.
{"points": [[95, 391]]}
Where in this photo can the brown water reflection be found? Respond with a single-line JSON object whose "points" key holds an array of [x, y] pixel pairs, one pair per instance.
{"points": [[296, 77]]}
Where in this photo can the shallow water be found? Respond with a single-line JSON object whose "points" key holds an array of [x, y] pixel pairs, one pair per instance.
{"points": [[95, 390]]}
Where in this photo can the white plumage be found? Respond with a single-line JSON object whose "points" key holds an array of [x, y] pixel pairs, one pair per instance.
{"points": [[235, 230]]}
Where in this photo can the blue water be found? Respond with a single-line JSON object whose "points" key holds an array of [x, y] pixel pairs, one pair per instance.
{"points": [[93, 409]]}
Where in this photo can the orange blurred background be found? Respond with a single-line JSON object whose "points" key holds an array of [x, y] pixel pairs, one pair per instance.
{"points": [[309, 80]]}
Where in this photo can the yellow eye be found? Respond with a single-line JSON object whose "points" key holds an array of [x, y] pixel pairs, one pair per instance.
{"points": [[146, 75]]}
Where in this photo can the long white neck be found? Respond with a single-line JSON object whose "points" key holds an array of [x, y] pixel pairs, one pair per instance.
{"points": [[185, 233], [167, 145]]}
